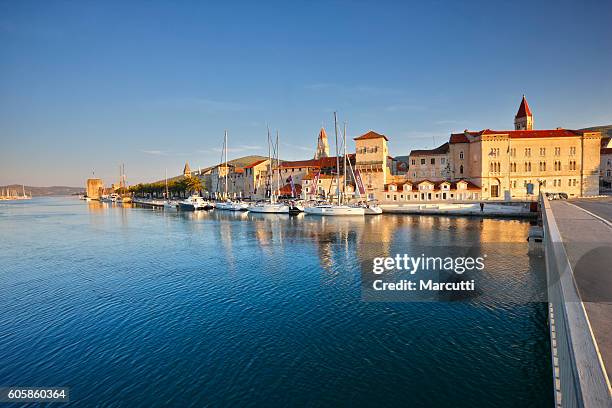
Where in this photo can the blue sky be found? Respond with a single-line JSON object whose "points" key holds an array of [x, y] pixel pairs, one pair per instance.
{"points": [[88, 85]]}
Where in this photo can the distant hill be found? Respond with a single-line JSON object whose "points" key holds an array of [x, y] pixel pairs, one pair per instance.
{"points": [[43, 191], [606, 133], [239, 162]]}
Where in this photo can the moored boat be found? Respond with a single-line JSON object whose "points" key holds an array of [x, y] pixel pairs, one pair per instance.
{"points": [[193, 203], [330, 209], [270, 208]]}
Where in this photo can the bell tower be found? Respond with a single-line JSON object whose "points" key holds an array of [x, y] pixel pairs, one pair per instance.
{"points": [[322, 145], [524, 118]]}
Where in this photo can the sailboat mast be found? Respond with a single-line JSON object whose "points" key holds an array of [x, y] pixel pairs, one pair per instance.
{"points": [[269, 164], [344, 168], [167, 194], [337, 159], [225, 144], [277, 165]]}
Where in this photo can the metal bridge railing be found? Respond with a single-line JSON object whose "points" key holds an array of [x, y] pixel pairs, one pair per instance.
{"points": [[579, 379]]}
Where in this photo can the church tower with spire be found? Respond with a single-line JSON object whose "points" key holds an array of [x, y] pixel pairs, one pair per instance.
{"points": [[322, 145], [524, 118], [187, 170]]}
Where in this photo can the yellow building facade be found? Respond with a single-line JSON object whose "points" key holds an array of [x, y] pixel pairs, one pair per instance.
{"points": [[520, 164]]}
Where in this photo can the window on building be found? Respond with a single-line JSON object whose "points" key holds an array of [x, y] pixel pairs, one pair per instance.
{"points": [[542, 151], [461, 155], [433, 161], [422, 161], [527, 152], [413, 162], [557, 151], [443, 161], [572, 151], [461, 169], [513, 152]]}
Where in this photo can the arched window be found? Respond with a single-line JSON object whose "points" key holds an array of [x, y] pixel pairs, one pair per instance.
{"points": [[461, 167]]}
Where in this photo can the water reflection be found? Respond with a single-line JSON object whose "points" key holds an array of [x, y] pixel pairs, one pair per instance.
{"points": [[226, 308]]}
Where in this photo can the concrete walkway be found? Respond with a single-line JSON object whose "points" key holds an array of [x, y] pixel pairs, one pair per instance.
{"points": [[588, 242]]}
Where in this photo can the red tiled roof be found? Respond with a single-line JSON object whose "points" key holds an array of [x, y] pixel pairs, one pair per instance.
{"points": [[437, 184], [516, 134], [311, 176], [371, 135], [458, 138], [470, 185], [523, 109], [316, 163], [443, 149], [286, 189], [533, 134], [254, 164]]}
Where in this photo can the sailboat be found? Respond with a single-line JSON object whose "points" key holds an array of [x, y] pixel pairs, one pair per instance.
{"points": [[338, 209], [229, 204], [271, 206], [168, 203]]}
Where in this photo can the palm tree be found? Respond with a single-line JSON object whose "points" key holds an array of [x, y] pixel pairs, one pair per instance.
{"points": [[193, 184]]}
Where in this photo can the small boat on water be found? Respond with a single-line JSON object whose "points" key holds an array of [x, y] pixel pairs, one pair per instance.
{"points": [[330, 209], [372, 210], [230, 205], [295, 208], [170, 205], [194, 203], [270, 208]]}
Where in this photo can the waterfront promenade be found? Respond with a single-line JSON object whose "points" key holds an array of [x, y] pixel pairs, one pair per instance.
{"points": [[580, 236]]}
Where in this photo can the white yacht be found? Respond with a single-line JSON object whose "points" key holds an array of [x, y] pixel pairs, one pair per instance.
{"points": [[372, 210], [270, 208], [239, 206], [331, 209], [193, 203]]}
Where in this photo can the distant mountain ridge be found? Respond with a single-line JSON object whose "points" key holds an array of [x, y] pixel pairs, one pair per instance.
{"points": [[605, 130], [43, 191]]}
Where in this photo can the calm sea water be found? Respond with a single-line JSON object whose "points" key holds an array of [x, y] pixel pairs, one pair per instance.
{"points": [[135, 307]]}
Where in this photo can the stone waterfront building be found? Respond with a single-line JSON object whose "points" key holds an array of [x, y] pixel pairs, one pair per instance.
{"points": [[518, 164], [94, 188]]}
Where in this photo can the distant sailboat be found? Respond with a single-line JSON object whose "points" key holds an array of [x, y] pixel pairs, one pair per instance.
{"points": [[271, 206], [339, 208], [229, 204]]}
